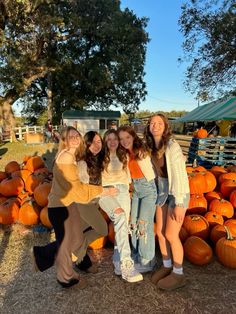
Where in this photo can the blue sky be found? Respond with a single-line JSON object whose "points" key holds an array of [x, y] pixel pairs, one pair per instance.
{"points": [[164, 75]]}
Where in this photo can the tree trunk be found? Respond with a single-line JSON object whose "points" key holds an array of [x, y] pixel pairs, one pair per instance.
{"points": [[49, 94]]}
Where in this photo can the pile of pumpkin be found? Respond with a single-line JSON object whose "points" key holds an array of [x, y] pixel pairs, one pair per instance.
{"points": [[24, 190], [210, 221], [209, 224]]}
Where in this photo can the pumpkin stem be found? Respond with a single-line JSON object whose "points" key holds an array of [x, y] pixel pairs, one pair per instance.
{"points": [[229, 235]]}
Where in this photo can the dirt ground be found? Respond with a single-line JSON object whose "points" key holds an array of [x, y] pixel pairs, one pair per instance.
{"points": [[210, 289]]}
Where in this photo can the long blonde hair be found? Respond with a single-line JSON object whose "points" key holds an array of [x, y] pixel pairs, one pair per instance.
{"points": [[63, 143]]}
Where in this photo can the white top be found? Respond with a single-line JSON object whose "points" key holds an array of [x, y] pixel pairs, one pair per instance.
{"points": [[115, 174]]}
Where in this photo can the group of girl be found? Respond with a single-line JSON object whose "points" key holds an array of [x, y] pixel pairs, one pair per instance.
{"points": [[90, 172]]}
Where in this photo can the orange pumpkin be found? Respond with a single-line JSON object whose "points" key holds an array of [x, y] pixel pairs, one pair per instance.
{"points": [[24, 173], [44, 218], [214, 219], [226, 250], [197, 183], [189, 169], [12, 166], [197, 251], [11, 186], [199, 169], [227, 176], [111, 232], [3, 175], [210, 181], [9, 211], [98, 243], [29, 213], [227, 186], [217, 171], [217, 232], [232, 198], [202, 133], [222, 207], [196, 225], [213, 195], [231, 224], [41, 193], [33, 181], [197, 204], [34, 163]]}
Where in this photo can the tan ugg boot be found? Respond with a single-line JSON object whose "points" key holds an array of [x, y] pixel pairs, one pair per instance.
{"points": [[172, 282], [160, 273]]}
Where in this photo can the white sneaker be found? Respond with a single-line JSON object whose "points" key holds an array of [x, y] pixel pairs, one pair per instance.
{"points": [[129, 273], [117, 269]]}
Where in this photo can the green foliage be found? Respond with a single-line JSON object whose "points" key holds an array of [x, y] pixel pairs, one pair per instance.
{"points": [[209, 47], [94, 51]]}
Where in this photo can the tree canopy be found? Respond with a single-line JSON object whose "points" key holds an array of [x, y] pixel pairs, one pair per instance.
{"points": [[70, 54], [209, 47]]}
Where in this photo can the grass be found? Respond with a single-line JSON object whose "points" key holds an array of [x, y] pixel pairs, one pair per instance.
{"points": [[16, 151]]}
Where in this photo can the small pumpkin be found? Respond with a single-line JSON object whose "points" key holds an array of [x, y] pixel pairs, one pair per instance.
{"points": [[44, 218], [217, 232], [197, 251], [197, 204], [98, 243], [202, 133], [226, 250], [41, 193], [214, 219], [197, 183], [222, 207], [213, 195], [217, 171], [23, 173], [33, 181], [12, 166], [227, 176]]}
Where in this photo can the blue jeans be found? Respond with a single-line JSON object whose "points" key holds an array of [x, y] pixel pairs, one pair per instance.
{"points": [[109, 205], [143, 210]]}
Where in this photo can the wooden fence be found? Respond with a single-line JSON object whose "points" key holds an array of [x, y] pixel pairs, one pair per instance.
{"points": [[20, 132]]}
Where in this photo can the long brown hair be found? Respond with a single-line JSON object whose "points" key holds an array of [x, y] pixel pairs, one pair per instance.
{"points": [[63, 143], [120, 152], [167, 134], [138, 144]]}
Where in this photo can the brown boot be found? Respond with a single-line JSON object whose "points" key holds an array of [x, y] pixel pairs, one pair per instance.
{"points": [[171, 282], [160, 273]]}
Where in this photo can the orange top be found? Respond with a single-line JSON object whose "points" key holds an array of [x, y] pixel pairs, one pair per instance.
{"points": [[135, 171]]}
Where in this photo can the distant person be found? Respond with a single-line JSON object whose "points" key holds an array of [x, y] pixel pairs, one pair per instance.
{"points": [[48, 131], [113, 126]]}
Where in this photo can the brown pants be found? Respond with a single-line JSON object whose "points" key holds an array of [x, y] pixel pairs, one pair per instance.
{"points": [[75, 227]]}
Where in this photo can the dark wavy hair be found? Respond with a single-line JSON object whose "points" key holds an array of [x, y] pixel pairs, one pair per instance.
{"points": [[138, 144], [167, 134], [94, 163], [120, 152]]}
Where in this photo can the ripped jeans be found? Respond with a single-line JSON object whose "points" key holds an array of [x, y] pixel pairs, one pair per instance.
{"points": [[109, 204], [143, 210]]}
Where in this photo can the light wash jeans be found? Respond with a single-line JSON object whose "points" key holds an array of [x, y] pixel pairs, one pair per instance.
{"points": [[143, 210], [109, 204]]}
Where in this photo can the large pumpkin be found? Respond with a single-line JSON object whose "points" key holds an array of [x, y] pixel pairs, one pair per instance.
{"points": [[197, 204], [210, 181], [226, 250], [11, 186], [197, 251], [196, 225], [34, 163], [41, 193], [9, 211], [222, 207], [197, 183], [29, 213], [231, 224]]}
